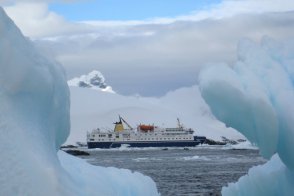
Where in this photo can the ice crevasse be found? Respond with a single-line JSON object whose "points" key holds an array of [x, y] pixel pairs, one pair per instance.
{"points": [[256, 96], [34, 122]]}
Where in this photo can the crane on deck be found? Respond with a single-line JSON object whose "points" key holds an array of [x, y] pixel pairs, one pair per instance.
{"points": [[129, 126]]}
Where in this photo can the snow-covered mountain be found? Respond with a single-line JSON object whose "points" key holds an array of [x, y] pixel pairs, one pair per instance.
{"points": [[94, 80], [91, 109]]}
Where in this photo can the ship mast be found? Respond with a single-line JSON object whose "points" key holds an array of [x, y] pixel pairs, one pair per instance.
{"points": [[179, 124]]}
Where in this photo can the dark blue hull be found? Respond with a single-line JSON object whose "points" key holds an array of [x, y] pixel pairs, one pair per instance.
{"points": [[197, 140]]}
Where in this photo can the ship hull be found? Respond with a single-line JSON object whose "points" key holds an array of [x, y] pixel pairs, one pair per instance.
{"points": [[196, 142]]}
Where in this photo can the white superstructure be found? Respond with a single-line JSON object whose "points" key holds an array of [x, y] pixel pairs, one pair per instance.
{"points": [[144, 135]]}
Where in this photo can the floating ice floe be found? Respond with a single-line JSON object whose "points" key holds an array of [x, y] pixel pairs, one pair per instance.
{"points": [[196, 157]]}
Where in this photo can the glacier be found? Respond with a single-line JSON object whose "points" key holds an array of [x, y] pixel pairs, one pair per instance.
{"points": [[255, 96], [35, 121]]}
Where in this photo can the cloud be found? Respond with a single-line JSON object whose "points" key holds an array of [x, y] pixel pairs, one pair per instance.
{"points": [[231, 8], [36, 21], [163, 56], [153, 56]]}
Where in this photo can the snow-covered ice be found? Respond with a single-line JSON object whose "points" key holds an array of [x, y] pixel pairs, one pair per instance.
{"points": [[255, 96], [34, 122]]}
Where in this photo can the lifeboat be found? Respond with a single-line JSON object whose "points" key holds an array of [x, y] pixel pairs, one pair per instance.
{"points": [[146, 128]]}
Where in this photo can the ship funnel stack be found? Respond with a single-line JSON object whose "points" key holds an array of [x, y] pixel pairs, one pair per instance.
{"points": [[119, 126]]}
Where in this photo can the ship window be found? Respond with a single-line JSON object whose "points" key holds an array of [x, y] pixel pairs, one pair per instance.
{"points": [[117, 136], [91, 139]]}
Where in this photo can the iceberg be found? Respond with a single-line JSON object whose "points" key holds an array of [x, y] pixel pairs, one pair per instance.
{"points": [[255, 96], [34, 122]]}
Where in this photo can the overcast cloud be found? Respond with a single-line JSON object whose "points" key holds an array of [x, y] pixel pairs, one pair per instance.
{"points": [[155, 56]]}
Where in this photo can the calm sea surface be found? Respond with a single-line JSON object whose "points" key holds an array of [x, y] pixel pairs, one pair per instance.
{"points": [[182, 172]]}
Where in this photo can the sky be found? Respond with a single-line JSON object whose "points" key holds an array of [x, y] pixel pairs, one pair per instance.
{"points": [[127, 9], [148, 48]]}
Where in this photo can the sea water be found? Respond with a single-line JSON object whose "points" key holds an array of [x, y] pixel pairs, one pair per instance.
{"points": [[182, 171]]}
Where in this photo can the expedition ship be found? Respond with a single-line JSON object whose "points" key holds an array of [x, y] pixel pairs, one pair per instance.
{"points": [[143, 136]]}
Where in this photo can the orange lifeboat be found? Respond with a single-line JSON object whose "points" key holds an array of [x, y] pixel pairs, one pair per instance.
{"points": [[146, 128]]}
